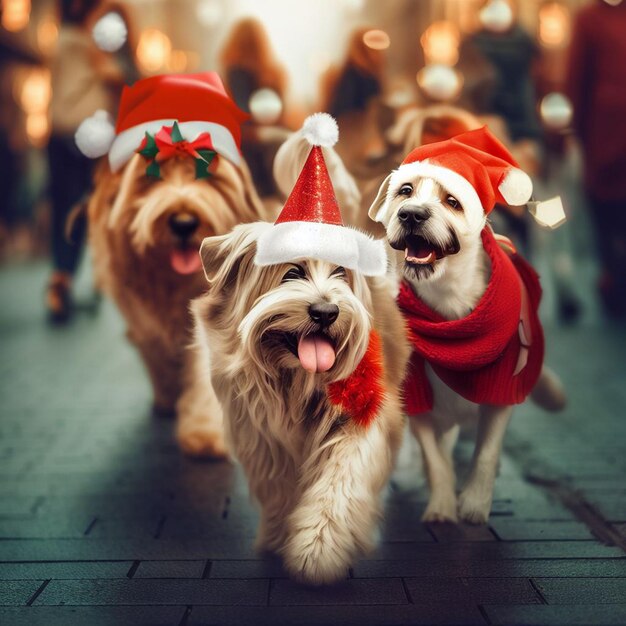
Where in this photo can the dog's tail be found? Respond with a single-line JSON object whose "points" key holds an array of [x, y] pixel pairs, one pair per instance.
{"points": [[288, 164], [549, 392]]}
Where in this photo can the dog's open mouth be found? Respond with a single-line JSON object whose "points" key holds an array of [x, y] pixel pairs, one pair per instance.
{"points": [[315, 351], [420, 251], [185, 260]]}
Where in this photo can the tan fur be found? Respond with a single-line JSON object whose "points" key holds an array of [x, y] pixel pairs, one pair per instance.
{"points": [[131, 243], [315, 473]]}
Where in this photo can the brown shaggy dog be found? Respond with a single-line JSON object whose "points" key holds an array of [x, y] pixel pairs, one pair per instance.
{"points": [[145, 234]]}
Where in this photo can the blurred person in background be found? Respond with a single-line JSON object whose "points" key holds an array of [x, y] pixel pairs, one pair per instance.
{"points": [[597, 88], [352, 94], [84, 79], [248, 65]]}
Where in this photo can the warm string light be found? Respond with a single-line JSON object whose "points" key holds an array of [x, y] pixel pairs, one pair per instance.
{"points": [[34, 98], [440, 43], [376, 39], [554, 20], [15, 14], [154, 50]]}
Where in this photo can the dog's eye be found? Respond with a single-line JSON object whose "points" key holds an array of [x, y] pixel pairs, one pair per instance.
{"points": [[340, 272], [295, 273], [405, 190], [453, 202]]}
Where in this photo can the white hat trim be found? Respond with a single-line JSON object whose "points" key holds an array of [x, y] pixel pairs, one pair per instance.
{"points": [[454, 183], [129, 140], [290, 241]]}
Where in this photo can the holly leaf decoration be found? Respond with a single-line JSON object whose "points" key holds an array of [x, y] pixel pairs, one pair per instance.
{"points": [[176, 135], [153, 170], [149, 148], [203, 163]]}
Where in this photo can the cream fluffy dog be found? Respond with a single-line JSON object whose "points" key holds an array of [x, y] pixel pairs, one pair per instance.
{"points": [[145, 234], [314, 468], [434, 217]]}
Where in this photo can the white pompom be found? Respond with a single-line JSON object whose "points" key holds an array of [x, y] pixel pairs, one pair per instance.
{"points": [[95, 135], [320, 129], [110, 32], [516, 187]]}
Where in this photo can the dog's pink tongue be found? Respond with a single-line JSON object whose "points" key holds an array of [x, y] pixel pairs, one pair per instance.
{"points": [[316, 353], [185, 261]]}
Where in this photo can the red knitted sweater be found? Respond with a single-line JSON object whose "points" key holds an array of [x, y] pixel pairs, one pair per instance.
{"points": [[492, 356]]}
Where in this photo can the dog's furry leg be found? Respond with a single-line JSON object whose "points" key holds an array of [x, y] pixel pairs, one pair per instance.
{"points": [[164, 371], [272, 479], [199, 426], [436, 451], [549, 393], [336, 516], [475, 499]]}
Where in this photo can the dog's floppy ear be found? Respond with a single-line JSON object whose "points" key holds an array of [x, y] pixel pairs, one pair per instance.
{"points": [[222, 255], [379, 201]]}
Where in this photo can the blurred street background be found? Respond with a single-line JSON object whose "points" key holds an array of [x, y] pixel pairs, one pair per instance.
{"points": [[101, 519]]}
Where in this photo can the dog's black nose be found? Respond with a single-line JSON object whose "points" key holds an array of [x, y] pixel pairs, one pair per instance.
{"points": [[413, 215], [183, 224], [323, 313]]}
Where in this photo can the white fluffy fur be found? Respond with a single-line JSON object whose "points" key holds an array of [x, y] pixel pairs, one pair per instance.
{"points": [[95, 135], [315, 473], [454, 289], [320, 129]]}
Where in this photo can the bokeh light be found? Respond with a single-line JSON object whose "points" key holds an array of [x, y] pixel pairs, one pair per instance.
{"points": [[556, 111], [265, 106], [440, 43], [153, 50], [554, 25], [47, 35], [15, 14], [376, 39], [440, 82]]}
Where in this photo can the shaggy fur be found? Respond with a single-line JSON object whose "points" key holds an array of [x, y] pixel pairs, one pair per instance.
{"points": [[452, 284], [315, 472], [132, 241]]}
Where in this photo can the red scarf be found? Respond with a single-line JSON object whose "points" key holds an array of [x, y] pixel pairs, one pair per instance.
{"points": [[492, 356], [361, 394]]}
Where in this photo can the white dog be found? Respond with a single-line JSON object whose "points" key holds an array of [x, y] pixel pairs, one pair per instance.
{"points": [[471, 308]]}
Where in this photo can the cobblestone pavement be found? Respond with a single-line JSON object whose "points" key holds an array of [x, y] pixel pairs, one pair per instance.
{"points": [[103, 522]]}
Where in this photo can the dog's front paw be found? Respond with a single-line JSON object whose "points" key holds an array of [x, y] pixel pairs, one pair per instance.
{"points": [[316, 559], [442, 507], [474, 506], [201, 440]]}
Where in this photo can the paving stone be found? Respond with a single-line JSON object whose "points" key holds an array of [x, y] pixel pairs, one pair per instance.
{"points": [[584, 590], [381, 615], [267, 568], [542, 615], [513, 530], [171, 569], [153, 592], [18, 592], [350, 592], [93, 616], [68, 569], [488, 569], [471, 591]]}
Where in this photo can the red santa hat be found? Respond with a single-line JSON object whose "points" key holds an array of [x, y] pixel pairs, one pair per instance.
{"points": [[474, 167], [198, 102], [310, 224]]}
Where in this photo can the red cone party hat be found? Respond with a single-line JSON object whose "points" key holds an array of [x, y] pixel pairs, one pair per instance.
{"points": [[310, 224], [474, 167], [198, 102]]}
